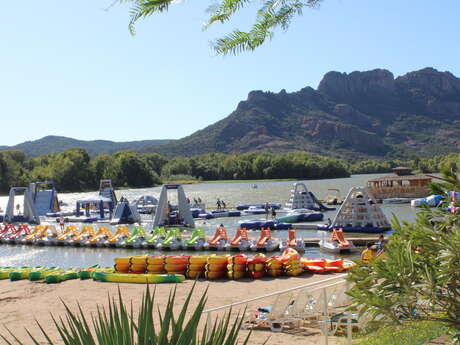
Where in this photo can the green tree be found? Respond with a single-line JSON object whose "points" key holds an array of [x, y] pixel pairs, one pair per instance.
{"points": [[13, 170], [70, 170], [134, 170], [418, 278], [155, 161], [102, 167]]}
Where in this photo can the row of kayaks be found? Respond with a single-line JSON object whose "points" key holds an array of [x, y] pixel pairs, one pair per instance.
{"points": [[159, 238], [237, 266], [49, 275], [175, 269], [53, 275]]}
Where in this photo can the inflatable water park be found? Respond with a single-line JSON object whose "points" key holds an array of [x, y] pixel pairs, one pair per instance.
{"points": [[106, 221]]}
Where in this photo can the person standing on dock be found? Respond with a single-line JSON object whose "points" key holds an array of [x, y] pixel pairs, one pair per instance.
{"points": [[273, 213], [62, 222], [224, 205], [218, 204], [379, 246], [267, 208]]}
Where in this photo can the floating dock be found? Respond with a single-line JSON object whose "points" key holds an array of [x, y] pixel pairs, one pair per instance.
{"points": [[357, 241]]}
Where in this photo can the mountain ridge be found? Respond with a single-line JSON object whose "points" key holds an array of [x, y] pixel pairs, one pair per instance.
{"points": [[54, 143], [369, 114]]}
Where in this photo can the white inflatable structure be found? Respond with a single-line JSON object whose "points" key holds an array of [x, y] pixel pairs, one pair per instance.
{"points": [[29, 214], [301, 198], [125, 214], [165, 215], [44, 197], [107, 191], [360, 213]]}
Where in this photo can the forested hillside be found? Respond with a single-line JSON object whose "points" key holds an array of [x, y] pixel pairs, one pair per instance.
{"points": [[75, 170]]}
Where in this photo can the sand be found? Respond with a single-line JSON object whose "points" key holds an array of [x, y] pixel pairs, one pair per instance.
{"points": [[22, 302]]}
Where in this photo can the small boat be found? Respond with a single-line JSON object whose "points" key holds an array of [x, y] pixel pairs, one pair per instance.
{"points": [[396, 201], [299, 217], [255, 210], [4, 233], [292, 242], [334, 198], [33, 235], [337, 244], [173, 240], [61, 276], [137, 239], [219, 240], [196, 241], [100, 238], [64, 239], [47, 237], [17, 235], [240, 241], [119, 237], [43, 273], [83, 237], [265, 242], [158, 236], [23, 272]]}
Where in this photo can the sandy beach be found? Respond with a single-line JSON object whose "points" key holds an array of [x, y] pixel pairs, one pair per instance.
{"points": [[22, 302]]}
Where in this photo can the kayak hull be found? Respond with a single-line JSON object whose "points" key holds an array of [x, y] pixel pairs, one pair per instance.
{"points": [[138, 278]]}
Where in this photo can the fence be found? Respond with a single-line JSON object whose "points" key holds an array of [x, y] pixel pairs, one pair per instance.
{"points": [[325, 300]]}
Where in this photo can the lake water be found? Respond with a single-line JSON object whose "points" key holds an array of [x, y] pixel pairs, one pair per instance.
{"points": [[231, 193]]}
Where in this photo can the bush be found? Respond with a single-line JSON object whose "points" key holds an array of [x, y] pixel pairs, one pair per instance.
{"points": [[412, 333]]}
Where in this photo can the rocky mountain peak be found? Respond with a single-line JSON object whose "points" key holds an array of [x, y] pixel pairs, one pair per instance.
{"points": [[357, 85], [431, 82]]}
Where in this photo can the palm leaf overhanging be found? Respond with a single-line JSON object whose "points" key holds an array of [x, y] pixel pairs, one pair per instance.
{"points": [[271, 15]]}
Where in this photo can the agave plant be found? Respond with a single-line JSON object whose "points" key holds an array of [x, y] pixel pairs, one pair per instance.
{"points": [[118, 326]]}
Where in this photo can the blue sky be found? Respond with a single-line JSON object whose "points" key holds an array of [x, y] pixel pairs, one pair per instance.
{"points": [[71, 68]]}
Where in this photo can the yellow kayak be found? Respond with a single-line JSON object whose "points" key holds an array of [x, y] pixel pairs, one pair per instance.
{"points": [[138, 278], [5, 272], [23, 273]]}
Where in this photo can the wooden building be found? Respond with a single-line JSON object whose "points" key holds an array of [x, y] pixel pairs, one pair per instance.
{"points": [[401, 184]]}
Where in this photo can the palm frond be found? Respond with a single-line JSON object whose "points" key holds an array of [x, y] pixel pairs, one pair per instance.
{"points": [[272, 14]]}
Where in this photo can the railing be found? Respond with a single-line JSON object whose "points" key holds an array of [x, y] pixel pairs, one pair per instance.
{"points": [[317, 285]]}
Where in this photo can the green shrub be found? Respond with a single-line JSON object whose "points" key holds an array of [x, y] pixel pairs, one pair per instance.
{"points": [[411, 333]]}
